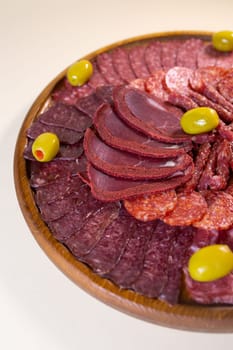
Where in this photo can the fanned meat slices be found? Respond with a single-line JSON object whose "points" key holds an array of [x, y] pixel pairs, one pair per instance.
{"points": [[184, 58], [105, 65], [137, 61], [153, 56], [122, 65]]}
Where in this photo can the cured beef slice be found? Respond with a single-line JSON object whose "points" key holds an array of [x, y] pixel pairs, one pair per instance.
{"points": [[127, 165], [145, 114], [137, 61], [89, 104], [109, 188], [122, 65], [118, 134]]}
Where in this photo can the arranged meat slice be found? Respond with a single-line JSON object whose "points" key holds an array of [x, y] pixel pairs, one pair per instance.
{"points": [[190, 208], [130, 264], [169, 50], [122, 65], [207, 56], [225, 86], [184, 58], [108, 188], [225, 59], [69, 94], [89, 104], [151, 207], [127, 165], [155, 85], [97, 79], [137, 61], [118, 134], [153, 56], [105, 65], [144, 113], [177, 79]]}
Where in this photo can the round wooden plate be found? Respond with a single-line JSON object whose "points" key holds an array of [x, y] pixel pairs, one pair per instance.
{"points": [[181, 316]]}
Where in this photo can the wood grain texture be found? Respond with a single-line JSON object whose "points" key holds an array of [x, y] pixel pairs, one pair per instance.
{"points": [[182, 316]]}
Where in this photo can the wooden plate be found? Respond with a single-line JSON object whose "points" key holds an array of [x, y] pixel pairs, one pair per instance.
{"points": [[181, 316]]}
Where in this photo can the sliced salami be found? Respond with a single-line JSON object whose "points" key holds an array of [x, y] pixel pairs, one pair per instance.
{"points": [[207, 56], [184, 58], [151, 207], [105, 65], [225, 86], [137, 61], [153, 56], [97, 79], [169, 50], [177, 79], [155, 85], [122, 65], [190, 208]]}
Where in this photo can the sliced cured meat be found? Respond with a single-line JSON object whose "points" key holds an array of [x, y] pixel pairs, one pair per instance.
{"points": [[127, 165], [226, 237], [190, 208], [105, 65], [97, 79], [187, 53], [225, 86], [209, 75], [219, 215], [45, 173], [130, 264], [151, 207], [207, 56], [177, 79], [216, 292], [138, 83], [61, 115], [153, 277], [181, 100], [155, 85], [69, 94], [169, 50], [145, 114], [65, 135], [119, 135], [225, 59], [137, 61], [109, 188], [153, 56], [89, 104], [109, 249], [121, 64], [104, 92], [94, 225]]}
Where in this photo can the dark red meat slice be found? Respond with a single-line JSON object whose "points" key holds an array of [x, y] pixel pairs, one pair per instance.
{"points": [[145, 114], [45, 173], [225, 86], [105, 65], [207, 56], [121, 64], [119, 135], [97, 79], [155, 85], [219, 215], [137, 61], [153, 56], [109, 188], [104, 92], [187, 53], [190, 208], [127, 165], [108, 250], [61, 115], [169, 50], [64, 135], [89, 104], [69, 94], [130, 264], [151, 207], [86, 237], [225, 59], [153, 277]]}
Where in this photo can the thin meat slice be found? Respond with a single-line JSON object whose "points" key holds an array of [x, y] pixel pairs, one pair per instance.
{"points": [[97, 79], [225, 86], [130, 264], [137, 61], [151, 207], [177, 79], [89, 104], [122, 65], [207, 56], [181, 100], [69, 94], [225, 59], [219, 215], [190, 208], [108, 188], [109, 249], [153, 56], [118, 134], [155, 85], [187, 53], [105, 65], [169, 50], [127, 165], [144, 113]]}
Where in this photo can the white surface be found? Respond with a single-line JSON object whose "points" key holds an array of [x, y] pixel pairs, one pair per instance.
{"points": [[39, 307]]}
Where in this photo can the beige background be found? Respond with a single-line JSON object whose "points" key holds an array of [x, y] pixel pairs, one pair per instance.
{"points": [[39, 307]]}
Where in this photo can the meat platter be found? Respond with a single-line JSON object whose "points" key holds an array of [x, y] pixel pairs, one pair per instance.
{"points": [[129, 198]]}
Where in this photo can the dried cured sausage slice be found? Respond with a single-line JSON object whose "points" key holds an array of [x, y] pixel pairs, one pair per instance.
{"points": [[219, 215], [153, 56], [151, 207], [190, 208], [69, 94], [105, 65], [155, 85], [137, 61], [169, 51], [146, 114], [177, 79], [89, 104], [119, 135], [225, 59], [122, 65], [187, 53], [109, 188], [127, 165], [97, 79], [207, 56], [225, 86]]}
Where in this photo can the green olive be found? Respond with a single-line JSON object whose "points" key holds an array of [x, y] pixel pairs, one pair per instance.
{"points": [[45, 147], [211, 263], [199, 120], [223, 41], [79, 72]]}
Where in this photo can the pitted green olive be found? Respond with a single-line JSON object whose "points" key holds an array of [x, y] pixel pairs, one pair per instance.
{"points": [[199, 120], [45, 147], [223, 41]]}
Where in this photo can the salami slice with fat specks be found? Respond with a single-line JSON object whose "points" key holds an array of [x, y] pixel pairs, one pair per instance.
{"points": [[97, 79], [207, 56], [153, 56], [190, 208], [169, 50], [122, 65], [151, 207], [187, 53], [137, 61], [177, 79], [155, 85], [105, 65], [225, 86]]}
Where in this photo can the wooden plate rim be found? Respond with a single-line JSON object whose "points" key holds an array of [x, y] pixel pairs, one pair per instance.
{"points": [[185, 317]]}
